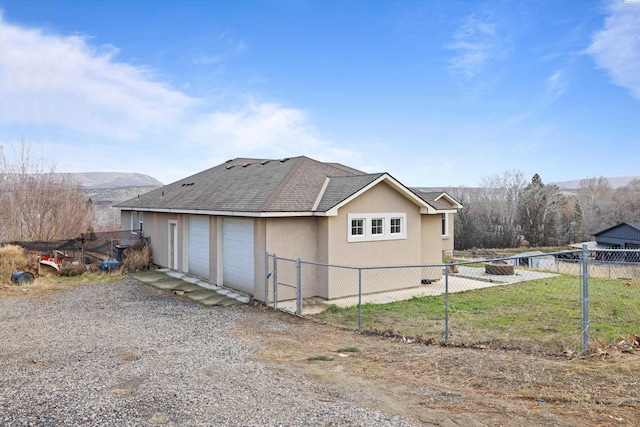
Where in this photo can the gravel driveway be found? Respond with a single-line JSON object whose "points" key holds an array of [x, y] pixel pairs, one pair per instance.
{"points": [[125, 354]]}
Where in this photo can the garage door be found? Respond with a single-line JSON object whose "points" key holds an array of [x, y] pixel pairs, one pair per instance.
{"points": [[199, 245], [237, 249]]}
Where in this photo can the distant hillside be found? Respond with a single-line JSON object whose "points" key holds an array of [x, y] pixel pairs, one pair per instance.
{"points": [[95, 180], [615, 182]]}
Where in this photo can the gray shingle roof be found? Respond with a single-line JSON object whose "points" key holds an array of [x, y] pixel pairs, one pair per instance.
{"points": [[430, 197], [261, 186]]}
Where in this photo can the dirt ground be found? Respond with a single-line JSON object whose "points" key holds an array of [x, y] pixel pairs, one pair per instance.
{"points": [[438, 385]]}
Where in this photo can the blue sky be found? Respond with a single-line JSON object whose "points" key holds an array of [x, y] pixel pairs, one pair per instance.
{"points": [[437, 93]]}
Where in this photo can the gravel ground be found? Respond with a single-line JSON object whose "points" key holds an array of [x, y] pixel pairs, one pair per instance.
{"points": [[125, 354]]}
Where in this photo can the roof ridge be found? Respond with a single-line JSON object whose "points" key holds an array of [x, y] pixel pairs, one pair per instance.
{"points": [[276, 193]]}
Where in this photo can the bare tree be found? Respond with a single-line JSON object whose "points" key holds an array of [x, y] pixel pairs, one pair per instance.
{"points": [[539, 211], [38, 204], [499, 203], [594, 199]]}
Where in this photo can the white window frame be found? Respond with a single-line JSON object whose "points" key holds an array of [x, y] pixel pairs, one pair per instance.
{"points": [[377, 226], [134, 222], [392, 225], [137, 221], [359, 227], [445, 224], [367, 222]]}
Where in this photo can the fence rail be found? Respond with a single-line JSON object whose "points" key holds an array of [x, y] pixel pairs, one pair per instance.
{"points": [[548, 302]]}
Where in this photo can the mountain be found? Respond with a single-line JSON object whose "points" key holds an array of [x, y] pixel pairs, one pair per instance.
{"points": [[615, 182], [97, 180]]}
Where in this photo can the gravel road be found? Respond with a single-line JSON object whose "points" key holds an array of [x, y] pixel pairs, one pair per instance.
{"points": [[125, 354]]}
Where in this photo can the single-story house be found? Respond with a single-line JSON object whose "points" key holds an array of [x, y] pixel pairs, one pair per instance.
{"points": [[220, 223], [625, 235]]}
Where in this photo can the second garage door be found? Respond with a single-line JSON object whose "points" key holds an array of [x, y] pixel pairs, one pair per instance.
{"points": [[237, 238], [199, 245]]}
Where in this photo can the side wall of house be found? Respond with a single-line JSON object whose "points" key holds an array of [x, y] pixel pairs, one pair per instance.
{"points": [[293, 238], [447, 241], [381, 199], [431, 246], [156, 229]]}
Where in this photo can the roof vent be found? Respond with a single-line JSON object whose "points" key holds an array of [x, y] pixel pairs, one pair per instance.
{"points": [[229, 161], [264, 162], [245, 165], [229, 167], [284, 160]]}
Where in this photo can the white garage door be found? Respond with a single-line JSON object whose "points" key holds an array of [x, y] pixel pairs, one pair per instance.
{"points": [[199, 245], [237, 249]]}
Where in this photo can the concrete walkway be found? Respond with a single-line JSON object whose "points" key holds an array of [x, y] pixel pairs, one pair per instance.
{"points": [[196, 289]]}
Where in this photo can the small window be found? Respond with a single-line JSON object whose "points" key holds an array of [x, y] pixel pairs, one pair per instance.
{"points": [[445, 231], [396, 225], [357, 227], [134, 222], [377, 226]]}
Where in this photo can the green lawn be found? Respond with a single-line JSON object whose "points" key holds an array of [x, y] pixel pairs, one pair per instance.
{"points": [[543, 313]]}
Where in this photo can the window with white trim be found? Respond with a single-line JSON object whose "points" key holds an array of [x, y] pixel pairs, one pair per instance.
{"points": [[396, 226], [445, 225], [378, 226], [357, 227], [136, 222]]}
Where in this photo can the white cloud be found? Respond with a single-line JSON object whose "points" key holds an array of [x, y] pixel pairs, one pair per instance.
{"points": [[65, 92], [263, 129], [477, 42], [616, 47], [65, 82], [555, 85]]}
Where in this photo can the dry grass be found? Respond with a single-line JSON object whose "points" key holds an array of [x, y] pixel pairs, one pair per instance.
{"points": [[137, 257], [499, 387], [46, 285], [12, 258]]}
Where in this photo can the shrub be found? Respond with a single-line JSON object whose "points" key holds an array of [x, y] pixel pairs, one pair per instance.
{"points": [[12, 258], [137, 257], [72, 270]]}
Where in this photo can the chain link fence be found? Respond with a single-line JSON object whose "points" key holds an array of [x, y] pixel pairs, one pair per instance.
{"points": [[545, 302]]}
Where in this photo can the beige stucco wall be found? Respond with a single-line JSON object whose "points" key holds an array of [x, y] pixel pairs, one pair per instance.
{"points": [[431, 246], [156, 227], [295, 237]]}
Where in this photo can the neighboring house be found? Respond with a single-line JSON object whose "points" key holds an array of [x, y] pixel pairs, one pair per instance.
{"points": [[625, 235], [220, 223]]}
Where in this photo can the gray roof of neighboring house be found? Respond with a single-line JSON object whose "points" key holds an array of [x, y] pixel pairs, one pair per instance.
{"points": [[430, 197], [260, 185], [632, 224]]}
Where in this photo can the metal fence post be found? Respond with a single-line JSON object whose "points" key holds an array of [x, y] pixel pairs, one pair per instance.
{"points": [[359, 299], [275, 282], [585, 298], [298, 287], [266, 279], [446, 304]]}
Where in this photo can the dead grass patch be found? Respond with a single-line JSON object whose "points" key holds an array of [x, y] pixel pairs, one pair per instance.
{"points": [[46, 285], [498, 386]]}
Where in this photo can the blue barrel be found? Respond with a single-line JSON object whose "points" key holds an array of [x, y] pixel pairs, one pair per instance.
{"points": [[108, 265], [22, 277]]}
